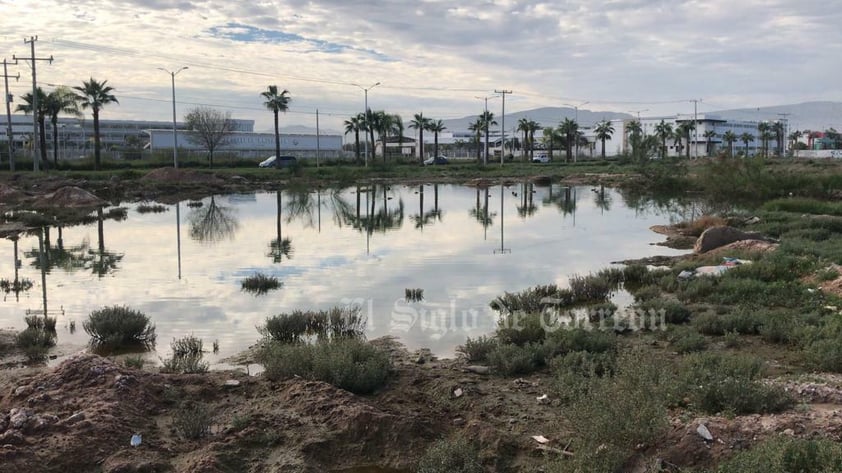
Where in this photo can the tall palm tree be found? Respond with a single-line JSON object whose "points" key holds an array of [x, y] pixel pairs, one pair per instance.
{"points": [[371, 126], [355, 125], [487, 120], [635, 133], [730, 137], [778, 129], [475, 128], [436, 126], [551, 137], [531, 127], [276, 102], [26, 107], [793, 139], [523, 127], [385, 127], [764, 129], [61, 100], [398, 128], [746, 138], [684, 130], [420, 123], [709, 136], [95, 95], [604, 131], [569, 129], [663, 131]]}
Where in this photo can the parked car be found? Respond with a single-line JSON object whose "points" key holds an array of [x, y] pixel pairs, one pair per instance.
{"points": [[541, 158], [436, 160], [284, 162]]}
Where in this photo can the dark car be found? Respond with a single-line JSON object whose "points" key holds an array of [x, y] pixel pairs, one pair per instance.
{"points": [[284, 162], [436, 160]]}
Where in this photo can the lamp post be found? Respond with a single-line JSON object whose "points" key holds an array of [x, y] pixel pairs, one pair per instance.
{"points": [[365, 90], [174, 135], [576, 119]]}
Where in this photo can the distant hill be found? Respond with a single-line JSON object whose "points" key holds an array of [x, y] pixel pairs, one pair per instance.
{"points": [[802, 116], [546, 116]]}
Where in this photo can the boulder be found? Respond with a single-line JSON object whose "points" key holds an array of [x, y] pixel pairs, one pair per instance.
{"points": [[715, 237]]}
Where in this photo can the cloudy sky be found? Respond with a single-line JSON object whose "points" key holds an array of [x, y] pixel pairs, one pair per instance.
{"points": [[432, 56]]}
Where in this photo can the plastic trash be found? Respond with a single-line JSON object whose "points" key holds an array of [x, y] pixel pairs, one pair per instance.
{"points": [[686, 274], [542, 399], [540, 439], [136, 440], [458, 392]]}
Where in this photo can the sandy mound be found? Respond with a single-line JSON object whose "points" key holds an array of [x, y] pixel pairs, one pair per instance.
{"points": [[180, 175], [68, 197], [10, 195], [754, 246]]}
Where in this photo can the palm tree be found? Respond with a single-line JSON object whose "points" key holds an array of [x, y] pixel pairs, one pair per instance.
{"points": [[61, 100], [399, 128], [475, 128], [523, 126], [531, 127], [95, 95], [385, 127], [746, 138], [371, 125], [684, 129], [778, 129], [663, 131], [709, 136], [764, 129], [436, 126], [355, 125], [793, 138], [604, 131], [26, 107], [729, 137], [635, 133], [487, 120], [276, 102], [570, 130], [420, 123]]}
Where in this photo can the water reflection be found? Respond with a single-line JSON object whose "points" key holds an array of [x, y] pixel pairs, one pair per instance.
{"points": [[213, 223], [362, 245]]}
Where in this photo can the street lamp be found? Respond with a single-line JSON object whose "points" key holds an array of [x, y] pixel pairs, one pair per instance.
{"points": [[174, 136], [576, 119], [365, 90]]}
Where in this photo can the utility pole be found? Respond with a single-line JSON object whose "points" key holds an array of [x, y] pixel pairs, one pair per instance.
{"points": [[35, 135], [9, 114], [318, 147], [695, 128], [503, 123]]}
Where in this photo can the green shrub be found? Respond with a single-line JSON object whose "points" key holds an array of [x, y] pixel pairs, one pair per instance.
{"points": [[260, 284], [134, 362], [780, 327], [825, 354], [188, 345], [193, 421], [646, 293], [520, 328], [286, 328], [118, 326], [827, 274], [786, 455], [718, 383], [637, 275], [732, 340], [349, 364], [454, 455], [511, 360], [689, 341], [674, 311], [38, 322], [335, 323], [532, 300], [35, 342], [476, 350], [573, 372], [595, 341], [185, 364], [151, 208]]}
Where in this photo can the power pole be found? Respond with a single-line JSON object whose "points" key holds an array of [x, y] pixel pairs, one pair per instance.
{"points": [[9, 113], [503, 123], [318, 147], [695, 128], [35, 135]]}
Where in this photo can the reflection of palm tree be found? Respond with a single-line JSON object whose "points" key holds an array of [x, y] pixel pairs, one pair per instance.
{"points": [[307, 206], [381, 220], [526, 208], [279, 247], [564, 201], [68, 259], [102, 262], [213, 223], [601, 199], [425, 218], [480, 211]]}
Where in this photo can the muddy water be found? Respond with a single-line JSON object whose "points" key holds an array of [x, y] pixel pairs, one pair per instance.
{"points": [[360, 245]]}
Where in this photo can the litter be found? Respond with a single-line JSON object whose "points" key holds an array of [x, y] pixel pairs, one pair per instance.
{"points": [[458, 392], [704, 433], [542, 399], [540, 439], [136, 440], [718, 270]]}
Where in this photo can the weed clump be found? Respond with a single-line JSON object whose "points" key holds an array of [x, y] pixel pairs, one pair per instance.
{"points": [[335, 323], [187, 354], [116, 326], [455, 455], [477, 350], [151, 208], [193, 421], [349, 364], [260, 284], [784, 455], [35, 342]]}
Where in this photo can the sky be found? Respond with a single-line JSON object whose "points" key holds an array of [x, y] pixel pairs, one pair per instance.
{"points": [[439, 58]]}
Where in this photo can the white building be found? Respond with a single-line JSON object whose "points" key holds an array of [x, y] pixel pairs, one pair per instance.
{"points": [[247, 144]]}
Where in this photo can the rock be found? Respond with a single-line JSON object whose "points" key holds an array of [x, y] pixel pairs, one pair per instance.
{"points": [[704, 433], [231, 383], [42, 422], [76, 417], [543, 399], [789, 432], [478, 369], [458, 421], [12, 437], [23, 391], [19, 417], [714, 237]]}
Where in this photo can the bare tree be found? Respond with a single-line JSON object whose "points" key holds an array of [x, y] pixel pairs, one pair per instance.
{"points": [[209, 128]]}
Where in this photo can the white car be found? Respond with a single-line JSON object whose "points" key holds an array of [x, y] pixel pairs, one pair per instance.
{"points": [[541, 158]]}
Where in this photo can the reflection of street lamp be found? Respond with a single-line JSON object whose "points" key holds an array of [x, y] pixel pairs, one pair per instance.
{"points": [[174, 137], [502, 249], [365, 90]]}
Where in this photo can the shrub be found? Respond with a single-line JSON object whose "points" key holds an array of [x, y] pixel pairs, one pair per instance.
{"points": [[674, 311], [477, 349], [260, 284], [573, 372], [532, 300], [827, 274], [826, 354], [454, 455], [647, 293], [151, 208], [718, 383], [511, 360], [34, 342], [637, 275], [286, 328], [786, 455], [119, 326], [338, 322], [520, 328], [188, 345], [38, 322], [134, 362], [185, 364], [732, 340], [193, 421], [689, 341], [349, 364], [780, 327], [579, 339]]}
